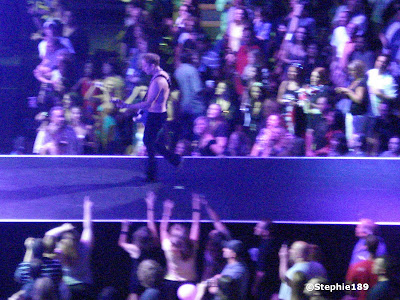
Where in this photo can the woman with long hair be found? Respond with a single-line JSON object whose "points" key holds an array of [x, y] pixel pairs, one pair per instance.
{"points": [[310, 93], [295, 51], [74, 252], [288, 97], [145, 245], [180, 248], [270, 140], [357, 93]]}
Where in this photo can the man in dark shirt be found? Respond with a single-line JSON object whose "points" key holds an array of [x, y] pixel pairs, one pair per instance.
{"points": [[266, 281]]}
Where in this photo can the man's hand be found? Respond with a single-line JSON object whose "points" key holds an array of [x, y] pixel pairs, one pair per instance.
{"points": [[284, 252]]}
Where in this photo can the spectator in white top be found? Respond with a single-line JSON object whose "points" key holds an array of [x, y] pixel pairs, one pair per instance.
{"points": [[381, 84], [357, 15], [339, 35]]}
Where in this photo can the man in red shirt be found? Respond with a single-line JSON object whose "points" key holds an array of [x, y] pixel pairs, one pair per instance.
{"points": [[361, 272]]}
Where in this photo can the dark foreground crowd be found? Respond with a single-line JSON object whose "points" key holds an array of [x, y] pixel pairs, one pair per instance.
{"points": [[281, 79], [167, 263]]}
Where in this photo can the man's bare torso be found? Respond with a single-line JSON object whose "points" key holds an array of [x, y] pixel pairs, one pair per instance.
{"points": [[158, 92]]}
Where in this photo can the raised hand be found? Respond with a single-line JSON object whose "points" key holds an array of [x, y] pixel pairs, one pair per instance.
{"points": [[169, 204], [196, 201], [125, 225], [284, 252], [67, 226], [87, 204], [150, 199]]}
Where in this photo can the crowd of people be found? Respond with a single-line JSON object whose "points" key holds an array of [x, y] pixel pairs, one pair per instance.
{"points": [[278, 80], [169, 263]]}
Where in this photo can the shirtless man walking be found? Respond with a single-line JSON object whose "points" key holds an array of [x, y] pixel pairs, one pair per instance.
{"points": [[156, 103]]}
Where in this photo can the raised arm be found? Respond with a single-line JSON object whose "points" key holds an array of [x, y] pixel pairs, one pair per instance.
{"points": [[283, 262], [132, 249], [167, 211], [28, 246], [123, 235], [56, 232], [87, 233], [218, 225], [195, 228], [150, 199]]}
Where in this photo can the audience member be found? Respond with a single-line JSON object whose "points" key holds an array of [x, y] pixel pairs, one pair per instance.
{"points": [[145, 246], [232, 282], [180, 248], [58, 137], [309, 94], [358, 146], [270, 140], [298, 282], [236, 28], [266, 281], [381, 85], [356, 14], [225, 96], [218, 125], [288, 96], [298, 255], [151, 274], [76, 35], [364, 228], [183, 148], [239, 144], [386, 126], [393, 148], [361, 52], [74, 253], [205, 144], [190, 85], [387, 288], [295, 52], [357, 93], [252, 108], [38, 264], [213, 260], [361, 272]]}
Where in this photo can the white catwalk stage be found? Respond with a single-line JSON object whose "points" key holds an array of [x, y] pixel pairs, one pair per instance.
{"points": [[287, 190]]}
